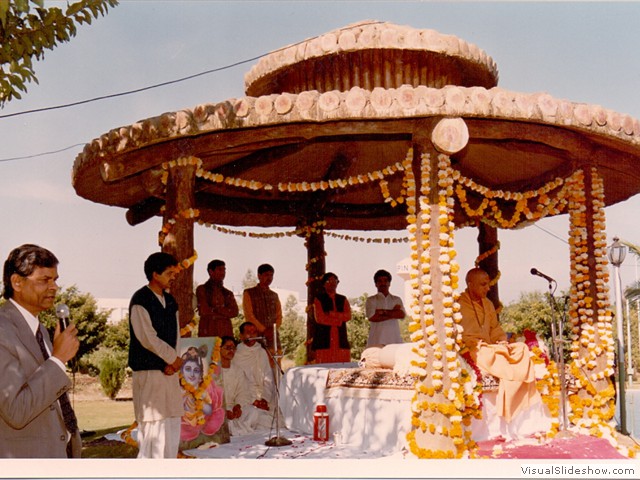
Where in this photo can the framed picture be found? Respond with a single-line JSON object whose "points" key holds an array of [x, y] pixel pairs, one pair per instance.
{"points": [[204, 418]]}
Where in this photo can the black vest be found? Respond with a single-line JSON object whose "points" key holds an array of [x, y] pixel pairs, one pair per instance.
{"points": [[163, 320], [322, 335]]}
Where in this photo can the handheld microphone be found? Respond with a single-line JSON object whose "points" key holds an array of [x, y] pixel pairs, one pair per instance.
{"points": [[62, 312], [540, 274]]}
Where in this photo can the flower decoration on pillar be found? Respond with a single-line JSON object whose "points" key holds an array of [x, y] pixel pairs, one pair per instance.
{"points": [[448, 388], [592, 352]]}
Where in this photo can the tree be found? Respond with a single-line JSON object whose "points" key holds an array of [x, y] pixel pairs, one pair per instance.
{"points": [[293, 331], [250, 280], [532, 311], [358, 327], [83, 309], [27, 29], [632, 292]]}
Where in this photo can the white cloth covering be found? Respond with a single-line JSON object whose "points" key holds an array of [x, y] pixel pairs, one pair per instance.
{"points": [[237, 391], [533, 419], [254, 361]]}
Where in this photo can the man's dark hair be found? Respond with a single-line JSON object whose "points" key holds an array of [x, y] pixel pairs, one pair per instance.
{"points": [[157, 263], [265, 267], [381, 273], [23, 261], [213, 264], [245, 325]]}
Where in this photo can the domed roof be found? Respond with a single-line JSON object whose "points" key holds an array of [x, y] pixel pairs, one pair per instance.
{"points": [[372, 54]]}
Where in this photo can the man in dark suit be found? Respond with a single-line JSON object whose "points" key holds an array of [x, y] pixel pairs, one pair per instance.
{"points": [[36, 419]]}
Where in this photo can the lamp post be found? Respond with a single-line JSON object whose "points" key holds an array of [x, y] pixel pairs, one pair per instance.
{"points": [[616, 253]]}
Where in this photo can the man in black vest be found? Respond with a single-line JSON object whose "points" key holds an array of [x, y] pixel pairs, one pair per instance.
{"points": [[153, 356]]}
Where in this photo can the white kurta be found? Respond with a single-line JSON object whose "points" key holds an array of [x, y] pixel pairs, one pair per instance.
{"points": [[387, 331], [254, 361], [238, 391]]}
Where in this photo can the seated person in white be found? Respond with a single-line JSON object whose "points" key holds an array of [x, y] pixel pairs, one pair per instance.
{"points": [[383, 311], [251, 357], [245, 414], [517, 409]]}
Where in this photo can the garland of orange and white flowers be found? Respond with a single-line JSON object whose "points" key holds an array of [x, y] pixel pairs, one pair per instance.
{"points": [[459, 392], [170, 223], [549, 388], [591, 319], [306, 186], [199, 393], [127, 436], [490, 212], [302, 232]]}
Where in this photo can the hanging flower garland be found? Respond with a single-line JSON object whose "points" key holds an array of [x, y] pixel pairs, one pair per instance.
{"points": [[446, 364], [305, 186], [490, 212], [199, 393], [590, 318], [484, 255], [302, 232]]}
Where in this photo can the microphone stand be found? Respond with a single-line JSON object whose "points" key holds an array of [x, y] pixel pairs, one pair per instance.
{"points": [[557, 330], [276, 441]]}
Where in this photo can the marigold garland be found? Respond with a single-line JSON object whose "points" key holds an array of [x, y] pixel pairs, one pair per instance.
{"points": [[446, 377], [592, 344]]}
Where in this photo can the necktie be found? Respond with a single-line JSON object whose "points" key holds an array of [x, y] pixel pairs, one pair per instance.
{"points": [[70, 420]]}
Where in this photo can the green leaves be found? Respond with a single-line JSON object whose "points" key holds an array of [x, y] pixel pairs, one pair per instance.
{"points": [[28, 29]]}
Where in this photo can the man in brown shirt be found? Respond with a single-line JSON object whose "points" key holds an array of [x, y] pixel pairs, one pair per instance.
{"points": [[261, 306], [216, 304]]}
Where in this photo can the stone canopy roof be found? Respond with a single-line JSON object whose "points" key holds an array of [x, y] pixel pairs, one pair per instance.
{"points": [[301, 126]]}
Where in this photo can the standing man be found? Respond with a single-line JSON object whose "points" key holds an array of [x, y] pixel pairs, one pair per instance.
{"points": [[216, 304], [153, 356], [261, 306], [36, 418], [383, 311]]}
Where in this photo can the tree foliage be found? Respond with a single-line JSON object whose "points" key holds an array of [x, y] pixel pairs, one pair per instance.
{"points": [[358, 327], [83, 309], [28, 29], [532, 311], [293, 331]]}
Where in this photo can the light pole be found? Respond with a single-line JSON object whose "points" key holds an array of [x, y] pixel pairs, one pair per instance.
{"points": [[616, 253]]}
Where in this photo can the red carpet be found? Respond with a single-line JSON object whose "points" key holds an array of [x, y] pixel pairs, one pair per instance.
{"points": [[578, 447]]}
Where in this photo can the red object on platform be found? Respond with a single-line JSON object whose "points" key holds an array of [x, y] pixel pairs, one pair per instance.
{"points": [[321, 424]]}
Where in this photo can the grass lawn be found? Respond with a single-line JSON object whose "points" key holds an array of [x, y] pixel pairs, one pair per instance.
{"points": [[103, 414], [100, 417]]}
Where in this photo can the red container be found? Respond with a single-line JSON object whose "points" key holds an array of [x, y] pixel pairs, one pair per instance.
{"points": [[321, 424]]}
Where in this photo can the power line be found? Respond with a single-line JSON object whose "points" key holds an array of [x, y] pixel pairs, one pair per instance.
{"points": [[163, 84], [130, 92], [550, 233], [26, 157]]}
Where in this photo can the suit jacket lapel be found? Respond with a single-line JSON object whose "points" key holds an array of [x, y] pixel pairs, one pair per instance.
{"points": [[25, 334]]}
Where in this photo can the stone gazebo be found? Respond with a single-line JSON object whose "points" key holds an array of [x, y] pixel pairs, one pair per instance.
{"points": [[383, 127]]}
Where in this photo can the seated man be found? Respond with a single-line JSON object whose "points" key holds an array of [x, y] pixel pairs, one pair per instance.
{"points": [[245, 414], [509, 362], [252, 358]]}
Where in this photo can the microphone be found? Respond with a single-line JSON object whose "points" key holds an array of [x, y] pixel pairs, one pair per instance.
{"points": [[540, 274], [62, 312], [256, 339]]}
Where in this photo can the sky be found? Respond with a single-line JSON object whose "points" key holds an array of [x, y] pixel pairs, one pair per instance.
{"points": [[583, 52]]}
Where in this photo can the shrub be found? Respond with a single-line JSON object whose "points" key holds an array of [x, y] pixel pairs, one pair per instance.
{"points": [[112, 372]]}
